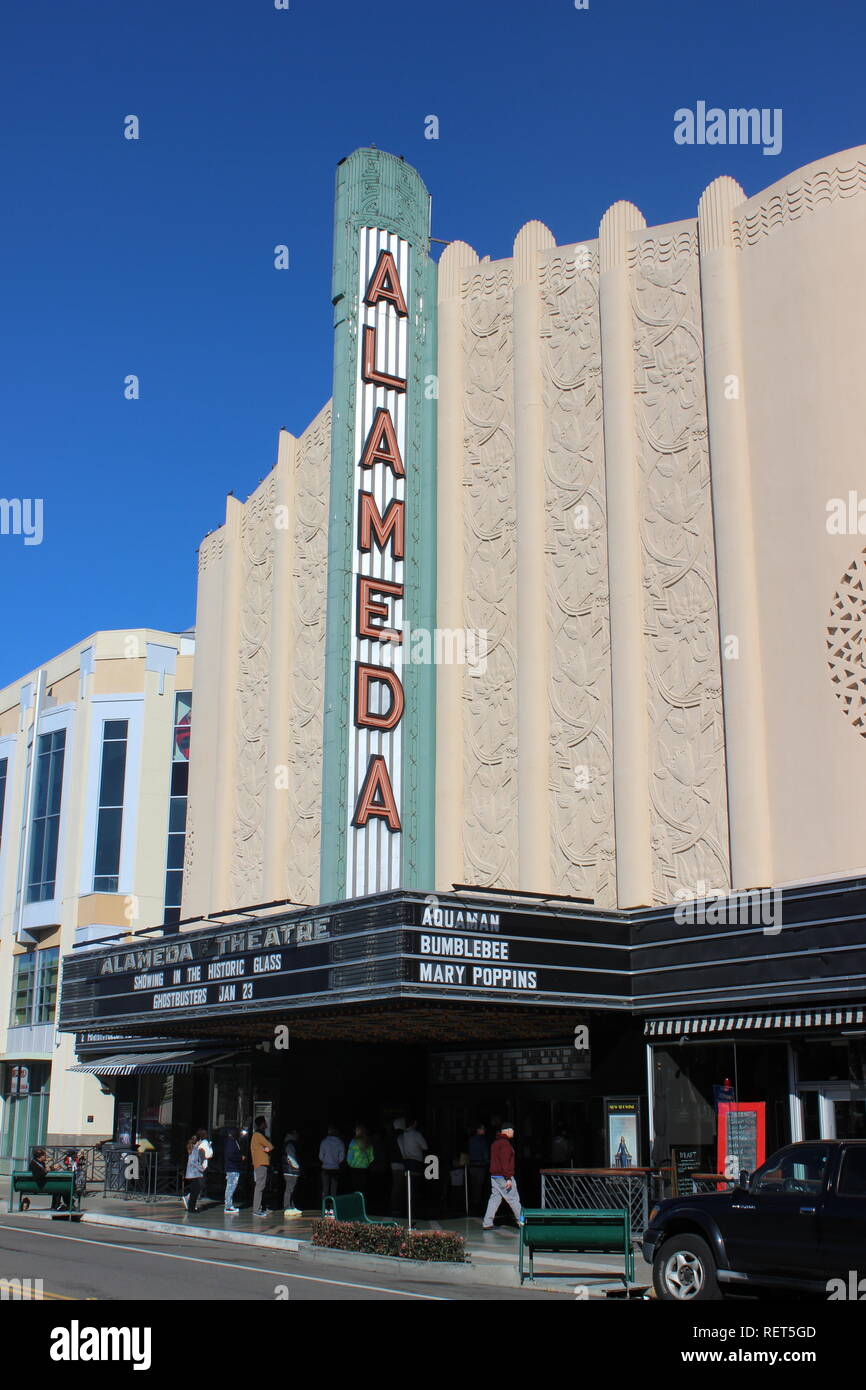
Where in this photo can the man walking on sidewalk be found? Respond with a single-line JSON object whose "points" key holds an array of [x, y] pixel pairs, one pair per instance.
{"points": [[504, 1188]]}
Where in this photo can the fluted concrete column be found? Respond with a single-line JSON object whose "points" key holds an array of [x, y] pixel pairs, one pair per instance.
{"points": [[225, 752], [727, 393], [533, 633], [631, 763], [276, 827], [450, 563]]}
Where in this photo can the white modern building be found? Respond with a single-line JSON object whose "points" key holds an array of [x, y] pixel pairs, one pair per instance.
{"points": [[94, 753]]}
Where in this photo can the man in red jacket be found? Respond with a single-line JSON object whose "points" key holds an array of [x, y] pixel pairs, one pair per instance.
{"points": [[504, 1188]]}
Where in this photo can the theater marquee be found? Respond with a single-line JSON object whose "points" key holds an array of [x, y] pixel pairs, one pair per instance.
{"points": [[394, 947]]}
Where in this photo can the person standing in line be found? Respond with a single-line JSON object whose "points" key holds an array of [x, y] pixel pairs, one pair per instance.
{"points": [[359, 1158], [503, 1185], [560, 1150], [479, 1166], [398, 1167], [413, 1147], [332, 1152], [291, 1172], [233, 1162], [379, 1172], [199, 1153], [260, 1152]]}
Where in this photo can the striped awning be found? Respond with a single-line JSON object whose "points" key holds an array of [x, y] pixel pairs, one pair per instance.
{"points": [[147, 1063], [715, 1024]]}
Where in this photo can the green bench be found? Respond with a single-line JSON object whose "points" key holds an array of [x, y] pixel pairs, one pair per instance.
{"points": [[351, 1207], [554, 1229], [56, 1184]]}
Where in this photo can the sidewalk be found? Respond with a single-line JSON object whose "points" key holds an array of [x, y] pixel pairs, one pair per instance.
{"points": [[492, 1254]]}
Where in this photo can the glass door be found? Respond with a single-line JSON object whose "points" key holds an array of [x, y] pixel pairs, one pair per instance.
{"points": [[842, 1111]]}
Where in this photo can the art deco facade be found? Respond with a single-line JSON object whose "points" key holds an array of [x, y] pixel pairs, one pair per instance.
{"points": [[637, 438]]}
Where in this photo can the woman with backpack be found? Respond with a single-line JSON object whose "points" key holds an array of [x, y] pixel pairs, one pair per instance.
{"points": [[199, 1151]]}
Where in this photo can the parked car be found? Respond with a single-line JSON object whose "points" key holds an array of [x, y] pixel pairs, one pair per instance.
{"points": [[794, 1224]]}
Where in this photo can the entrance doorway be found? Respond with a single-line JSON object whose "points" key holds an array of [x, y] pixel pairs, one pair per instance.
{"points": [[842, 1111], [26, 1117], [833, 1110]]}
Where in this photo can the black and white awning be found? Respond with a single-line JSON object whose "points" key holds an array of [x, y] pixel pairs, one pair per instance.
{"points": [[147, 1063], [790, 1019]]}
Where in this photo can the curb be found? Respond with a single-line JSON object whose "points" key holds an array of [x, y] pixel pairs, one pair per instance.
{"points": [[482, 1273], [416, 1271]]}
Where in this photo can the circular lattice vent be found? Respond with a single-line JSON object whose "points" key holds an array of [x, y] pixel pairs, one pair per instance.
{"points": [[846, 645]]}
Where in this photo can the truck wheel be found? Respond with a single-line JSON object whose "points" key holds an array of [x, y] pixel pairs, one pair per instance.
{"points": [[684, 1270]]}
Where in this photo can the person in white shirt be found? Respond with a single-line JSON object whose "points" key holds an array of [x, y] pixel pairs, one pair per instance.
{"points": [[199, 1151]]}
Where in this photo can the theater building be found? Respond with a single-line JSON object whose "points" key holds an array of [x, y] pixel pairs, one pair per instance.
{"points": [[548, 626]]}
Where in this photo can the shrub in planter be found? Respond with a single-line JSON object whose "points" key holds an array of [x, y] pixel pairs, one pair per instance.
{"points": [[443, 1246]]}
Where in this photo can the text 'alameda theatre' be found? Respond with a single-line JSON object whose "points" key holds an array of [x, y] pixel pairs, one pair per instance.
{"points": [[528, 760]]}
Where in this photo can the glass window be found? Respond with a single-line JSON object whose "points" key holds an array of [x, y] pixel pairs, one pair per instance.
{"points": [[48, 967], [793, 1170], [811, 1115], [109, 823], [23, 983], [4, 768], [177, 806], [45, 833], [34, 987], [179, 779], [173, 887], [852, 1183], [182, 726]]}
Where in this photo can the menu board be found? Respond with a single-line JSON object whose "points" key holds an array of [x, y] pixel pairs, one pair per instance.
{"points": [[741, 1137], [685, 1160]]}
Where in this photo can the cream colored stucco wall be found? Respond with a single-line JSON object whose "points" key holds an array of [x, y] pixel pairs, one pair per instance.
{"points": [[800, 259], [256, 755], [680, 679]]}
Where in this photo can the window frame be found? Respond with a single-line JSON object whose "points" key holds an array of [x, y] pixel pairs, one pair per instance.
{"points": [[55, 763], [102, 883]]}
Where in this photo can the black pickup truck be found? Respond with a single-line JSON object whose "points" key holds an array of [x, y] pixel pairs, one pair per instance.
{"points": [[797, 1223]]}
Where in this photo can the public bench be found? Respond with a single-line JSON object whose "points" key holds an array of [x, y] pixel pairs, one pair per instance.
{"points": [[56, 1184], [351, 1207], [554, 1229]]}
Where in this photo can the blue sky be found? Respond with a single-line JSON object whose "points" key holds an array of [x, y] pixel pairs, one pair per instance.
{"points": [[155, 256]]}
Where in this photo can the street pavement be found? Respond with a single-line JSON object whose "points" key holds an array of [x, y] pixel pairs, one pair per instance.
{"points": [[492, 1253], [113, 1263]]}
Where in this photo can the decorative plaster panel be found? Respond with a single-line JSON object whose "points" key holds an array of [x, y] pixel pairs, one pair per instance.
{"points": [[687, 758], [309, 583], [582, 854], [257, 565], [490, 758]]}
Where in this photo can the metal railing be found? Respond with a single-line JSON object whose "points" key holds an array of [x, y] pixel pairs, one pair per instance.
{"points": [[596, 1188], [708, 1182], [142, 1177], [89, 1157]]}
